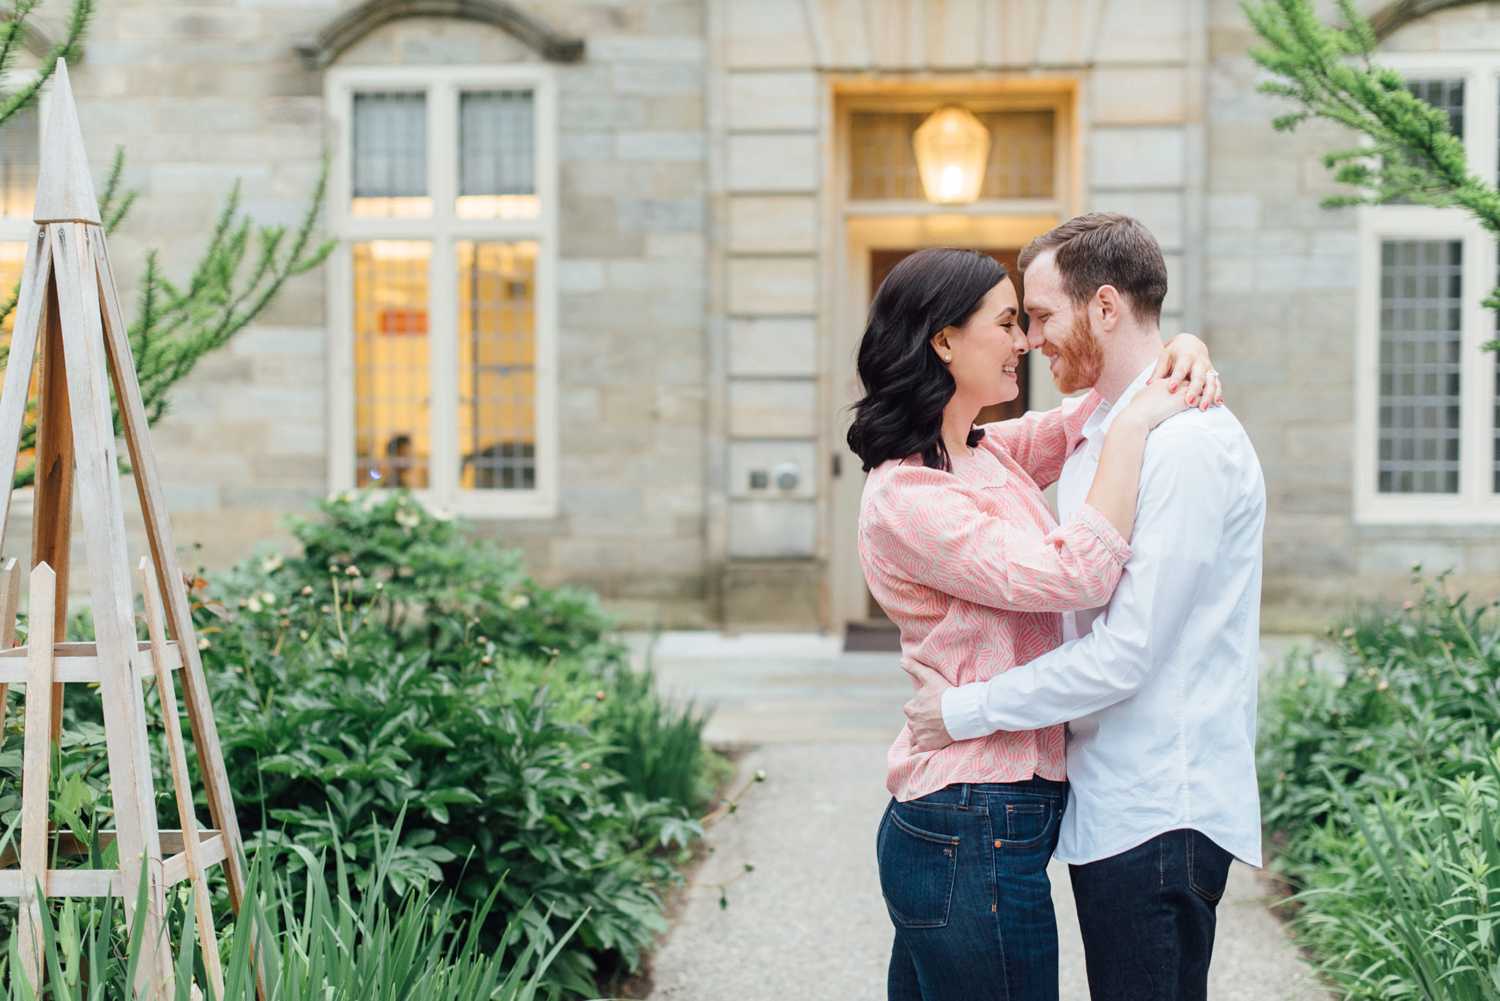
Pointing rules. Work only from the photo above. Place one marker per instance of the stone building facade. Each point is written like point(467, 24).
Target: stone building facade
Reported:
point(664, 288)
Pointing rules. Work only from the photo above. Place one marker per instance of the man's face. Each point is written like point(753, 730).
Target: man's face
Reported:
point(1060, 330)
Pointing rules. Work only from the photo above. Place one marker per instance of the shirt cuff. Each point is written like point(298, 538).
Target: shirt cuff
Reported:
point(1105, 531)
point(963, 712)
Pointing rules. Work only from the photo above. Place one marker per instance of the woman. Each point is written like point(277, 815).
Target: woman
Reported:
point(960, 549)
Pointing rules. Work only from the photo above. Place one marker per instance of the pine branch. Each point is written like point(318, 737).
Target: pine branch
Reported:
point(1411, 154)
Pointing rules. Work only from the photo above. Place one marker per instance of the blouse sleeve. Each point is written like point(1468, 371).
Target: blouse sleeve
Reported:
point(922, 527)
point(1041, 440)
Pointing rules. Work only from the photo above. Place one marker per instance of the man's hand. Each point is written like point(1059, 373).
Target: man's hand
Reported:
point(924, 713)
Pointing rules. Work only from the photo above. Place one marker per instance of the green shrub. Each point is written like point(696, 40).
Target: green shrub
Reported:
point(396, 665)
point(1380, 788)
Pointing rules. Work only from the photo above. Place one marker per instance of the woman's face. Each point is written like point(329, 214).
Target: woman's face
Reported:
point(984, 353)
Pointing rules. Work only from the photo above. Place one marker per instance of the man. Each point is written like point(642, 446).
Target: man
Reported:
point(1159, 687)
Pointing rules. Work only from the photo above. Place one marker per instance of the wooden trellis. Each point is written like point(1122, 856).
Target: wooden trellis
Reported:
point(68, 318)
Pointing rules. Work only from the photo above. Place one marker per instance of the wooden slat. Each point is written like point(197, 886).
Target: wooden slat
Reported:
point(52, 495)
point(66, 845)
point(182, 784)
point(68, 883)
point(80, 668)
point(36, 767)
point(10, 600)
point(168, 574)
point(98, 490)
point(169, 580)
point(175, 869)
point(23, 342)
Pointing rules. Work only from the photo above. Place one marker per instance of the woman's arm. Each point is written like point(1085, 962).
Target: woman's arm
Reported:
point(921, 527)
point(1040, 440)
point(1118, 478)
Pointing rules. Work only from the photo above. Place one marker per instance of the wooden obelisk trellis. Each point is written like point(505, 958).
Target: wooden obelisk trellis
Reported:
point(69, 317)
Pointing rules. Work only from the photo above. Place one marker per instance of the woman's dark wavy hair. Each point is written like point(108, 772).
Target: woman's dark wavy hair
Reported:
point(906, 385)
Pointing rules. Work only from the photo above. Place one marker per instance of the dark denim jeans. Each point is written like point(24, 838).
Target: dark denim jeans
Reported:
point(1148, 916)
point(964, 875)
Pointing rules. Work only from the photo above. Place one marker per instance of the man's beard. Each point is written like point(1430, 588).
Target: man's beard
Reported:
point(1080, 357)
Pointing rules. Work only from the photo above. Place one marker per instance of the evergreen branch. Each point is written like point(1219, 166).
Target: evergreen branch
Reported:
point(1411, 154)
point(13, 30)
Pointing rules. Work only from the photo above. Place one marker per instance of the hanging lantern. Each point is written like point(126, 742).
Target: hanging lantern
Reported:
point(952, 148)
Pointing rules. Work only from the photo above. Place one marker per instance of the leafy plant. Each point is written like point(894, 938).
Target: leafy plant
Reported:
point(1380, 788)
point(314, 944)
point(1407, 152)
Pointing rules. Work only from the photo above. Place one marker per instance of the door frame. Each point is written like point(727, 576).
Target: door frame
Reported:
point(863, 235)
point(850, 230)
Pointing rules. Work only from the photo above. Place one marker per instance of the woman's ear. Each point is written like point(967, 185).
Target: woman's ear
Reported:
point(942, 345)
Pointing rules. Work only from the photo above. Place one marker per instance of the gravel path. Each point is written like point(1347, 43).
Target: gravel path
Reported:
point(809, 923)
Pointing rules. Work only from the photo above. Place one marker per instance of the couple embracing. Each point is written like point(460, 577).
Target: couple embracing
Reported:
point(1086, 684)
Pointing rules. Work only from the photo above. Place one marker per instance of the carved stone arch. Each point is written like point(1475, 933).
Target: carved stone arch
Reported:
point(1397, 14)
point(346, 29)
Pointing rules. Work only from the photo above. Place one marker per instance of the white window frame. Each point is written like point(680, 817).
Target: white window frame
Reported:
point(443, 85)
point(1476, 503)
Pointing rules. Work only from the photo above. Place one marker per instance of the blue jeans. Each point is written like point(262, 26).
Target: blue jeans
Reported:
point(1148, 915)
point(964, 875)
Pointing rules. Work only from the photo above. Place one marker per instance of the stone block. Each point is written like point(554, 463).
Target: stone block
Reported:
point(773, 223)
point(646, 215)
point(773, 101)
point(1147, 157)
point(1142, 31)
point(749, 459)
point(953, 32)
point(773, 408)
point(783, 161)
point(641, 49)
point(773, 285)
point(776, 529)
point(580, 275)
point(1137, 95)
point(658, 79)
point(779, 595)
point(659, 146)
point(676, 114)
point(768, 34)
point(763, 346)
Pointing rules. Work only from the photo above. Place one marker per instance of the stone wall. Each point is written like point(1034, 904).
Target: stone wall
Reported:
point(1281, 301)
point(203, 95)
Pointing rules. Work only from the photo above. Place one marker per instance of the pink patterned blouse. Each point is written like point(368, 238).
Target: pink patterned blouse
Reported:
point(974, 569)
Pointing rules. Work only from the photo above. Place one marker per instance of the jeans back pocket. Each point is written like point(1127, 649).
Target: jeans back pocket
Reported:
point(917, 872)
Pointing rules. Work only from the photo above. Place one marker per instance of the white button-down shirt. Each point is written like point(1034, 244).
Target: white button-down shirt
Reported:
point(1158, 688)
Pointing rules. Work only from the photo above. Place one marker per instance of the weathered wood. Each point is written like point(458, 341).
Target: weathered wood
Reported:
point(168, 574)
point(98, 490)
point(83, 667)
point(36, 767)
point(175, 869)
point(66, 845)
point(181, 783)
point(10, 600)
point(68, 883)
point(35, 276)
point(52, 493)
point(64, 189)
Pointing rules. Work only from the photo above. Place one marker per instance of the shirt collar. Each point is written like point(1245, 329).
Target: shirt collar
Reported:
point(1104, 414)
